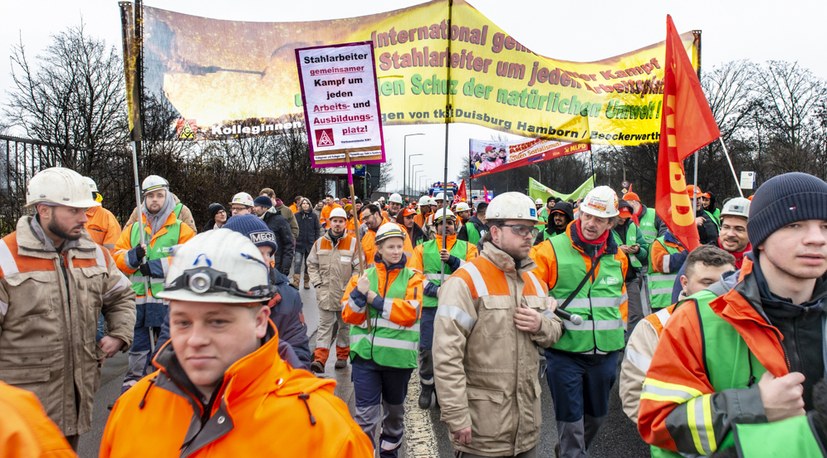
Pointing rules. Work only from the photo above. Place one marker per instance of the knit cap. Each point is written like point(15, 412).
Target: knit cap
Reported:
point(262, 201)
point(214, 208)
point(785, 199)
point(253, 227)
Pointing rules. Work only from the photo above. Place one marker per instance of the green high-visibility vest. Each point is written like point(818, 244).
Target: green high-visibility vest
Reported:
point(385, 342)
point(631, 239)
point(598, 301)
point(473, 233)
point(159, 249)
point(660, 284)
point(177, 209)
point(731, 365)
point(432, 265)
point(647, 226)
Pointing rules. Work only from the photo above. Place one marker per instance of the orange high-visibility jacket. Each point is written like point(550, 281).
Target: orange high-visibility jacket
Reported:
point(403, 311)
point(25, 430)
point(369, 244)
point(103, 227)
point(677, 378)
point(263, 408)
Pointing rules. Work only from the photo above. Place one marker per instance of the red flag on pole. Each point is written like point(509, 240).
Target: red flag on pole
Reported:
point(686, 125)
point(461, 193)
point(485, 194)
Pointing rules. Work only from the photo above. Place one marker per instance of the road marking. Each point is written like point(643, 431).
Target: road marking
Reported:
point(420, 441)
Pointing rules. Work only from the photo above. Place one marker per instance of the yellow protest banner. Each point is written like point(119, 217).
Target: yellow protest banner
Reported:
point(232, 78)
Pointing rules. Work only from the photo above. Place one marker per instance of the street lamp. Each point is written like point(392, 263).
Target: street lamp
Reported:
point(411, 178)
point(410, 166)
point(416, 176)
point(405, 158)
point(421, 184)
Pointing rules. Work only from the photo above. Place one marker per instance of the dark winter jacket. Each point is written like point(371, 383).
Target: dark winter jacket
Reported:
point(288, 316)
point(284, 238)
point(309, 229)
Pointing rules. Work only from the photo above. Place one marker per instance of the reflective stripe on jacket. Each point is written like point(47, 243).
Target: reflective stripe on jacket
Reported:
point(390, 337)
point(49, 308)
point(427, 261)
point(485, 368)
point(694, 394)
point(330, 268)
point(661, 278)
point(601, 300)
point(159, 248)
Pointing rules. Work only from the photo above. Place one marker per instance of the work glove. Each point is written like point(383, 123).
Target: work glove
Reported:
point(135, 257)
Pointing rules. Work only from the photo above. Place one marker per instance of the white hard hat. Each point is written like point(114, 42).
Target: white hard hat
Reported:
point(152, 183)
point(601, 202)
point(395, 198)
point(381, 199)
point(389, 230)
point(738, 206)
point(242, 198)
point(93, 187)
point(463, 207)
point(431, 201)
point(424, 200)
point(338, 212)
point(439, 196)
point(59, 186)
point(218, 266)
point(443, 213)
point(511, 205)
point(538, 201)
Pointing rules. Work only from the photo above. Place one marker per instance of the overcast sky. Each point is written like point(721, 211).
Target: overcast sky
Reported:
point(757, 30)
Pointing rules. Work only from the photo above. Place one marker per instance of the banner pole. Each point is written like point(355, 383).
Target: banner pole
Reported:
point(447, 125)
point(353, 210)
point(731, 168)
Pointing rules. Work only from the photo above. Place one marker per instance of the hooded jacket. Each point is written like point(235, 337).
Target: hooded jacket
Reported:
point(263, 407)
point(781, 336)
point(49, 306)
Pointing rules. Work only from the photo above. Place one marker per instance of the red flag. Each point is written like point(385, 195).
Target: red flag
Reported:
point(461, 193)
point(485, 194)
point(686, 125)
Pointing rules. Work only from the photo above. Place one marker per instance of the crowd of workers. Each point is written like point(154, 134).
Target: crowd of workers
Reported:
point(721, 349)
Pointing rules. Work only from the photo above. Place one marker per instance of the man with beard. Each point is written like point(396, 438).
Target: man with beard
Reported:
point(54, 281)
point(766, 326)
point(145, 260)
point(559, 217)
point(493, 313)
point(394, 205)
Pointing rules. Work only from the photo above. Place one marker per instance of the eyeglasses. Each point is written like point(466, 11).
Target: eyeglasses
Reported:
point(203, 280)
point(522, 230)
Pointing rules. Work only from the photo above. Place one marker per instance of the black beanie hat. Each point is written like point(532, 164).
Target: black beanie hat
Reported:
point(785, 199)
point(214, 208)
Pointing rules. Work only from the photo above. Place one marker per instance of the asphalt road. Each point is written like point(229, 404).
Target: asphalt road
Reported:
point(426, 436)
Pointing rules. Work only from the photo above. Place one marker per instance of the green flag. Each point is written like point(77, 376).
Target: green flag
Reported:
point(539, 190)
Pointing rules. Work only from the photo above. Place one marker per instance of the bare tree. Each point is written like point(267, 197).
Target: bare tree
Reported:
point(71, 95)
point(788, 98)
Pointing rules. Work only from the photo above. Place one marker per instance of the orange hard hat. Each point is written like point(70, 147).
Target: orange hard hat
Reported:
point(694, 190)
point(631, 196)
